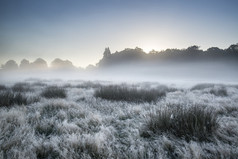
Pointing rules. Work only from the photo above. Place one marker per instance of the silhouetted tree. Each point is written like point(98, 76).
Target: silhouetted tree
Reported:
point(139, 49)
point(153, 52)
point(107, 52)
point(39, 64)
point(10, 65)
point(125, 56)
point(233, 48)
point(193, 48)
point(25, 64)
point(213, 49)
point(61, 64)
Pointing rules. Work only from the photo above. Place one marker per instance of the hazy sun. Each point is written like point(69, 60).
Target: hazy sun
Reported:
point(150, 44)
point(148, 48)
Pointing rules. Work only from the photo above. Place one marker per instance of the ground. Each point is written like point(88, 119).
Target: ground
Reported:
point(73, 122)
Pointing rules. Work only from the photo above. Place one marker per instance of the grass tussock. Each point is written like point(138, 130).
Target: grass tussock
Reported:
point(54, 92)
point(193, 123)
point(220, 91)
point(202, 86)
point(47, 151)
point(47, 129)
point(2, 87)
point(9, 98)
point(88, 84)
point(39, 84)
point(125, 93)
point(21, 87)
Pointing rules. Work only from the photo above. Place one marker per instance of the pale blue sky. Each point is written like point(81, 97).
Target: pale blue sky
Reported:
point(79, 30)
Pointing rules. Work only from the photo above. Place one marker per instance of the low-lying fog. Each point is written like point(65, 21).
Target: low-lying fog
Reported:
point(175, 73)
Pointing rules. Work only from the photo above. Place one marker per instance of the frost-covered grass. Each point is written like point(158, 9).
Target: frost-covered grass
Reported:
point(126, 93)
point(189, 123)
point(21, 87)
point(9, 98)
point(54, 92)
point(220, 91)
point(186, 123)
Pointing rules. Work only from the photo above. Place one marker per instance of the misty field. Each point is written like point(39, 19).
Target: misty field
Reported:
point(96, 119)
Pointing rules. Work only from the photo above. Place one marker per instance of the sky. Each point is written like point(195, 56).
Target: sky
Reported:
point(80, 30)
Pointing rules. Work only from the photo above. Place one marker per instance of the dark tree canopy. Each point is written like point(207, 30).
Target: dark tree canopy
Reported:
point(107, 52)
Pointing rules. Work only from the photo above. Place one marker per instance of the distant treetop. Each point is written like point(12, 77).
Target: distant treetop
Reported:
point(107, 52)
point(192, 53)
point(61, 64)
point(10, 65)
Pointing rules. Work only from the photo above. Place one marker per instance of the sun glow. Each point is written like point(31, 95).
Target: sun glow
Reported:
point(149, 44)
point(148, 48)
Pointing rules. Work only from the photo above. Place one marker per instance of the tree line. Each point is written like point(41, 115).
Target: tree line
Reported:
point(192, 53)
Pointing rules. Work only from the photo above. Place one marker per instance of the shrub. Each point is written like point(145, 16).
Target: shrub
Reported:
point(124, 93)
point(21, 87)
point(54, 92)
point(193, 123)
point(9, 98)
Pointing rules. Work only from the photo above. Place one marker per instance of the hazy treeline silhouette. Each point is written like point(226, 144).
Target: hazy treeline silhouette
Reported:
point(136, 56)
point(190, 64)
point(191, 54)
point(38, 64)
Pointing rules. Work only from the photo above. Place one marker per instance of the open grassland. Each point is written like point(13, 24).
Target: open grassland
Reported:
point(77, 119)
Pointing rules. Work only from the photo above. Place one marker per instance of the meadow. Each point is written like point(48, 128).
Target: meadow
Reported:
point(53, 119)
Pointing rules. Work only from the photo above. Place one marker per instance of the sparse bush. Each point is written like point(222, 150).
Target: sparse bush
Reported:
point(124, 93)
point(193, 123)
point(54, 92)
point(21, 87)
point(9, 98)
